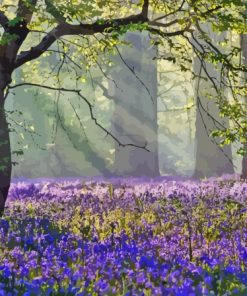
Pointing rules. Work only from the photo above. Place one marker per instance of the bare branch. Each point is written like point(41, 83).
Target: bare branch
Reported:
point(90, 107)
point(132, 70)
point(65, 55)
point(105, 90)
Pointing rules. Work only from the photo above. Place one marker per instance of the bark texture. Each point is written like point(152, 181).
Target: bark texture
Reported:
point(5, 156)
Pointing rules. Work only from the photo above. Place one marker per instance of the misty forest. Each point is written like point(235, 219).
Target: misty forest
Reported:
point(123, 147)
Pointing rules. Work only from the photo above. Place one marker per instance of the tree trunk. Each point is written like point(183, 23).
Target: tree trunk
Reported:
point(135, 115)
point(5, 151)
point(211, 160)
point(5, 155)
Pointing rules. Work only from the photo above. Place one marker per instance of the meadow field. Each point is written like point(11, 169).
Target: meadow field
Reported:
point(125, 237)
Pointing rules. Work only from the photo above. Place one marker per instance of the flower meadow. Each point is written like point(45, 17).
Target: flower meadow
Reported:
point(125, 237)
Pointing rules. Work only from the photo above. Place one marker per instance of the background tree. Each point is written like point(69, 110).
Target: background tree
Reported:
point(134, 120)
point(211, 159)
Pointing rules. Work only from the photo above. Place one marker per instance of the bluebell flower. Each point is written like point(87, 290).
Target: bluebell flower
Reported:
point(243, 278)
point(208, 280)
point(146, 262)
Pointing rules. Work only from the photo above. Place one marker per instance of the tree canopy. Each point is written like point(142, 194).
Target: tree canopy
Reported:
point(83, 33)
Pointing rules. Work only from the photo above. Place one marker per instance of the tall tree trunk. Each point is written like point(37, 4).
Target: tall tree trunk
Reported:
point(5, 154)
point(135, 116)
point(211, 160)
point(244, 51)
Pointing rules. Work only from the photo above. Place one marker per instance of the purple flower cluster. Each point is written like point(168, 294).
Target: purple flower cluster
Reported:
point(125, 237)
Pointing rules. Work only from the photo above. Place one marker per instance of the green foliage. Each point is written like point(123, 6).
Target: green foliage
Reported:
point(8, 38)
point(15, 21)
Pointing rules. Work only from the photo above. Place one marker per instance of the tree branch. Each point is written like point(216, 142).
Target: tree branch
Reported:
point(171, 13)
point(8, 52)
point(145, 8)
point(164, 25)
point(54, 12)
point(3, 20)
point(90, 106)
point(68, 29)
point(25, 10)
point(105, 90)
point(132, 70)
point(81, 29)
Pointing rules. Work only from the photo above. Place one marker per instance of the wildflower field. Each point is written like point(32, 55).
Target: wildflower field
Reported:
point(125, 237)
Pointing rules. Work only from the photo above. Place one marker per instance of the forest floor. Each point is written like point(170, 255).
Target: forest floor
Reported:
point(125, 237)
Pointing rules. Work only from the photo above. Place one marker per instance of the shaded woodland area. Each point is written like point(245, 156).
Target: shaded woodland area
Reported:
point(140, 98)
